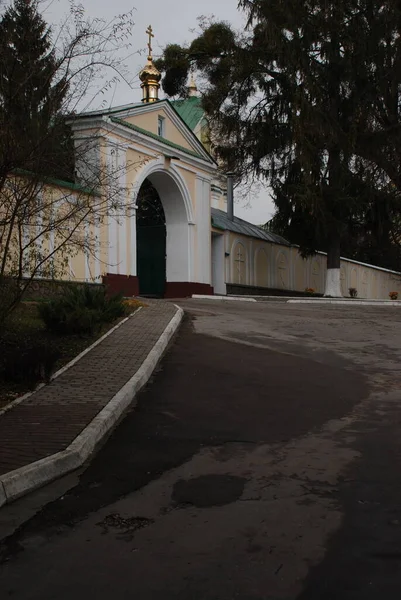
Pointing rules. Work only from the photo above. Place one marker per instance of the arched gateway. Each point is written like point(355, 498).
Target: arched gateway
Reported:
point(151, 242)
point(164, 224)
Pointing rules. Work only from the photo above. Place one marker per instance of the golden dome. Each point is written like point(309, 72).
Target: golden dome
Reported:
point(149, 72)
point(150, 76)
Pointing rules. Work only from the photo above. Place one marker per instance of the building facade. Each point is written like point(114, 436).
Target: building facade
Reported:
point(169, 233)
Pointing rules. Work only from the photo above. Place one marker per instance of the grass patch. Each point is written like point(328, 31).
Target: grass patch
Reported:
point(26, 333)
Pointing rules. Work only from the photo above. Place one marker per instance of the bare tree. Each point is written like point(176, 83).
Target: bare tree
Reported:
point(44, 222)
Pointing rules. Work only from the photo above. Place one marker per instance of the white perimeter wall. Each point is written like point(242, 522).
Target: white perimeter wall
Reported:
point(253, 262)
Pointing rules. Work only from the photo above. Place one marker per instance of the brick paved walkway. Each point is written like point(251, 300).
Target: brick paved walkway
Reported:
point(50, 419)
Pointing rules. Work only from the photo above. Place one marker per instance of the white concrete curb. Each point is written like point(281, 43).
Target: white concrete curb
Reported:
point(348, 302)
point(298, 300)
point(26, 479)
point(236, 298)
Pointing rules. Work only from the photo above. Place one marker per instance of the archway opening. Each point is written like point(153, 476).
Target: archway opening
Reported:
point(151, 242)
point(163, 187)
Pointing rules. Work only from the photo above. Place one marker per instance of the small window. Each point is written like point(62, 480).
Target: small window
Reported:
point(160, 126)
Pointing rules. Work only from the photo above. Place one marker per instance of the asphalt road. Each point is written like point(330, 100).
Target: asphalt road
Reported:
point(261, 463)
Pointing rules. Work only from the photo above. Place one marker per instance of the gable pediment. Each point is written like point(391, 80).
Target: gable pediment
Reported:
point(146, 119)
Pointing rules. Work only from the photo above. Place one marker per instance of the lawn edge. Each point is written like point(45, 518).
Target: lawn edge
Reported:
point(70, 364)
point(21, 481)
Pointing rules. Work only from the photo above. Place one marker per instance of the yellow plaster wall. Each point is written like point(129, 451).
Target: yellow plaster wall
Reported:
point(136, 162)
point(149, 121)
point(54, 198)
point(219, 201)
point(219, 198)
point(190, 180)
point(76, 268)
point(82, 267)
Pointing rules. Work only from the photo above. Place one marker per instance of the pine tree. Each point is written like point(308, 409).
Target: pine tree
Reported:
point(31, 95)
point(308, 99)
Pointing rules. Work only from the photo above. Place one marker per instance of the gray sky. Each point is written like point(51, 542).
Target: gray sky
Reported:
point(172, 22)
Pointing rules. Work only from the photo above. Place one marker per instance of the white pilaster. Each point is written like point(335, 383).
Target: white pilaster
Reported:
point(123, 221)
point(87, 255)
point(133, 248)
point(203, 217)
point(117, 221)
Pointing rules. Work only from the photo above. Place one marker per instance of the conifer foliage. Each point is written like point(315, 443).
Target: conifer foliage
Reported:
point(32, 93)
point(308, 98)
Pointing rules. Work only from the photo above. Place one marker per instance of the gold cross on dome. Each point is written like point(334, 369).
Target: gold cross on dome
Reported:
point(150, 33)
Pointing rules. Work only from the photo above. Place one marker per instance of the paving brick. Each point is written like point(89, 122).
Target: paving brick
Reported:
point(52, 417)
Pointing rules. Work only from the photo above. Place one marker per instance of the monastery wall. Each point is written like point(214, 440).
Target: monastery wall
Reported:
point(255, 263)
point(49, 243)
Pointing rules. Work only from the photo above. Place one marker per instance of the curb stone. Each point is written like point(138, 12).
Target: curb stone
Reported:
point(297, 300)
point(17, 483)
point(348, 302)
point(223, 298)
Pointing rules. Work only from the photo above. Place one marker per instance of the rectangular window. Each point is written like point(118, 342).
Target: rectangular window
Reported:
point(160, 126)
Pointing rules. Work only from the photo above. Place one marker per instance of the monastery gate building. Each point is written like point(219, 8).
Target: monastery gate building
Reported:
point(174, 237)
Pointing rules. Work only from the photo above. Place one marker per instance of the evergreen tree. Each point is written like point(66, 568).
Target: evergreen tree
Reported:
point(371, 234)
point(31, 95)
point(308, 99)
point(43, 223)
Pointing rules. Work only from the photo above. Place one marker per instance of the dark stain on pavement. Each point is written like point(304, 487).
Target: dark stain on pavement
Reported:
point(124, 527)
point(208, 490)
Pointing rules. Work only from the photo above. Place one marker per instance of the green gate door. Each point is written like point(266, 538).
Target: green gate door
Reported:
point(151, 262)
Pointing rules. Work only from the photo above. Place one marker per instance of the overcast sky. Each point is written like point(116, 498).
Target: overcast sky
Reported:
point(173, 21)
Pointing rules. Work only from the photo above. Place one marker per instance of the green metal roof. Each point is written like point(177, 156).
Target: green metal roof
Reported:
point(107, 111)
point(190, 110)
point(220, 220)
point(59, 182)
point(157, 137)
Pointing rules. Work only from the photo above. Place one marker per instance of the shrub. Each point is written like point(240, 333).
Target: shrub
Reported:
point(82, 310)
point(109, 308)
point(29, 362)
point(393, 295)
point(310, 291)
point(353, 292)
point(9, 293)
point(64, 319)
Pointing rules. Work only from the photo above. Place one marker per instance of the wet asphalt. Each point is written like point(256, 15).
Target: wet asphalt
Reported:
point(261, 463)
